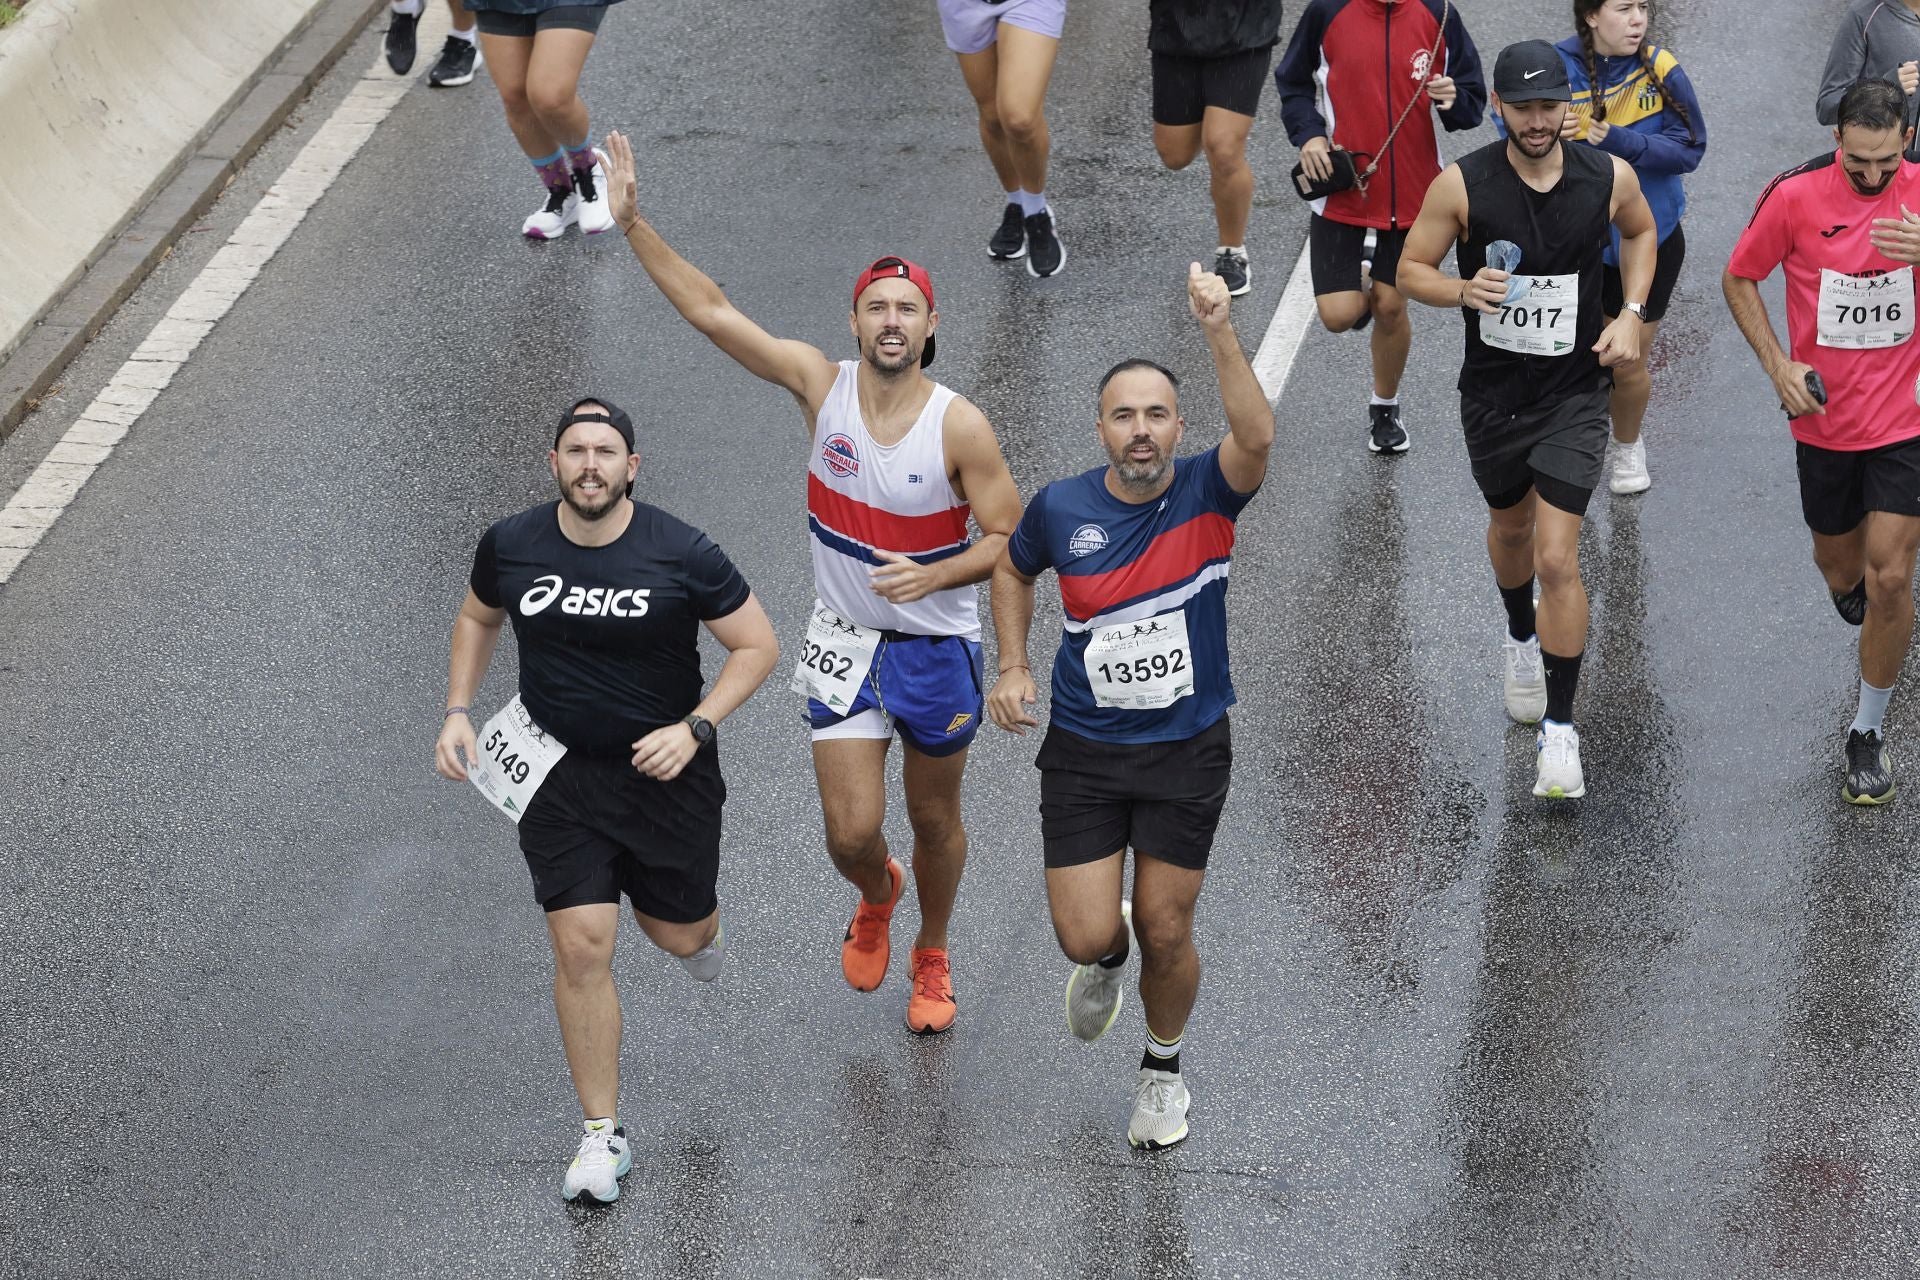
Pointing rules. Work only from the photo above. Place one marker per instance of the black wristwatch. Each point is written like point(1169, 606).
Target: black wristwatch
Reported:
point(702, 730)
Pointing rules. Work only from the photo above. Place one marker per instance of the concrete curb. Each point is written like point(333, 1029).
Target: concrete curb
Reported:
point(202, 173)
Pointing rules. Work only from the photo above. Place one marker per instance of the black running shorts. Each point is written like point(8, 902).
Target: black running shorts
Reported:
point(1183, 88)
point(1557, 446)
point(598, 828)
point(1338, 249)
point(1838, 487)
point(524, 26)
point(1161, 799)
point(1666, 273)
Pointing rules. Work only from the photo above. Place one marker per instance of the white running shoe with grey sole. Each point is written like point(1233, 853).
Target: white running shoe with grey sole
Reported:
point(561, 211)
point(602, 1160)
point(596, 211)
point(1525, 683)
point(1558, 775)
point(1095, 994)
point(1630, 468)
point(1159, 1110)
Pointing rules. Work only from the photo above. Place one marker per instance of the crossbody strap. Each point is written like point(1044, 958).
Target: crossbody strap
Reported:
point(1433, 61)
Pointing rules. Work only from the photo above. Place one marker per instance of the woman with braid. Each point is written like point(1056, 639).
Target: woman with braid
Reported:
point(1631, 99)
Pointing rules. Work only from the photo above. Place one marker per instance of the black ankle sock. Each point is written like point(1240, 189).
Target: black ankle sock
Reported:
point(1563, 677)
point(1519, 602)
point(1113, 961)
point(1852, 604)
point(1161, 1064)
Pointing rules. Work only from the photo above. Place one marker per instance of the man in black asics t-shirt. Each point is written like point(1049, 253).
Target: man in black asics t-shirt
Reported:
point(607, 597)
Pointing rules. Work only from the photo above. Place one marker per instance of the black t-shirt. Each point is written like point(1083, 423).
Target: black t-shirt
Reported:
point(1212, 28)
point(609, 636)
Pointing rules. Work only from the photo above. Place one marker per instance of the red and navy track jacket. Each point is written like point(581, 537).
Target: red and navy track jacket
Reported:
point(1360, 62)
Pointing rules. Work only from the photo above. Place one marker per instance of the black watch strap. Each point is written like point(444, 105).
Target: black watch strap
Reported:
point(702, 729)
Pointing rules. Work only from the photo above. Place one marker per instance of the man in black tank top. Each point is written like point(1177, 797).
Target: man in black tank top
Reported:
point(1535, 382)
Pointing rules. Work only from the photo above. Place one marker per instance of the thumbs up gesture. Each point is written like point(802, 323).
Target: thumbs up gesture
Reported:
point(1207, 297)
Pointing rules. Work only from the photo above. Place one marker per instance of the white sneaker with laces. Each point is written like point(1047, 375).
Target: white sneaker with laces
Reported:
point(1094, 994)
point(561, 211)
point(1159, 1110)
point(602, 1160)
point(1558, 775)
point(1525, 684)
point(1630, 468)
point(596, 211)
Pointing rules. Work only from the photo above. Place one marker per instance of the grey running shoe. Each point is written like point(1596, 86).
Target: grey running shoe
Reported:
point(1525, 683)
point(602, 1160)
point(1045, 254)
point(1010, 241)
point(1159, 1110)
point(1231, 265)
point(1095, 994)
point(1869, 770)
point(704, 964)
point(1385, 434)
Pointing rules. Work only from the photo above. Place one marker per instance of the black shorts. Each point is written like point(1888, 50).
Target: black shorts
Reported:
point(523, 26)
point(1559, 447)
point(598, 828)
point(1838, 487)
point(1162, 799)
point(1666, 273)
point(1338, 249)
point(1183, 88)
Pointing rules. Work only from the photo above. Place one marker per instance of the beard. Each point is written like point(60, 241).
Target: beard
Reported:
point(1140, 475)
point(1544, 150)
point(585, 509)
point(1865, 190)
point(892, 365)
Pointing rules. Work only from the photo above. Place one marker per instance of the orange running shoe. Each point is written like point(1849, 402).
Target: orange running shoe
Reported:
point(866, 950)
point(930, 1010)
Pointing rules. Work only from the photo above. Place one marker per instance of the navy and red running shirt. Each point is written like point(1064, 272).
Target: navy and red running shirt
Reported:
point(1127, 562)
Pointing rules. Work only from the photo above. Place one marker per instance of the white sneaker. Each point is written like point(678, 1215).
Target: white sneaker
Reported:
point(704, 964)
point(1095, 994)
point(1630, 468)
point(561, 211)
point(1559, 776)
point(1526, 679)
point(1159, 1110)
point(603, 1159)
point(596, 212)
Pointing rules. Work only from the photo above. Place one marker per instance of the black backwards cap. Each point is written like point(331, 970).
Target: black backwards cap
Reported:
point(614, 416)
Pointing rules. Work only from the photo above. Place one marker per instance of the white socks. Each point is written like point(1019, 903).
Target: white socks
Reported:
point(411, 8)
point(1873, 708)
point(1030, 202)
point(471, 35)
point(1383, 400)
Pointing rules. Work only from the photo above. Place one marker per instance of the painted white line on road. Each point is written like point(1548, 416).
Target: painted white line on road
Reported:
point(1274, 361)
point(54, 484)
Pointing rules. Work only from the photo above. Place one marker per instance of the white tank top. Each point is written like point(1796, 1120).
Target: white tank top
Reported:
point(864, 497)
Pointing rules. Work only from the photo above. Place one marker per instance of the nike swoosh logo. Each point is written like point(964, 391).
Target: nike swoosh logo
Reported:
point(1836, 231)
point(1531, 74)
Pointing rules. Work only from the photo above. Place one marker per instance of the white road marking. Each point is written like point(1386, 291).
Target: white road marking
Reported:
point(103, 424)
point(1274, 361)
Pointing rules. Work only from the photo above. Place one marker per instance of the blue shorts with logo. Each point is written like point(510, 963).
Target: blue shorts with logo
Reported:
point(927, 687)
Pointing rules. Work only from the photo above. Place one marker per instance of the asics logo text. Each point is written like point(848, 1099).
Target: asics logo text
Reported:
point(585, 602)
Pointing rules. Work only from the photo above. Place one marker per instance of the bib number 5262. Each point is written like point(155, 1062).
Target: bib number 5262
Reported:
point(834, 659)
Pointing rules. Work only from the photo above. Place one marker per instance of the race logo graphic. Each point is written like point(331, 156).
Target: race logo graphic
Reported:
point(840, 457)
point(585, 602)
point(1543, 284)
point(960, 722)
point(1422, 63)
point(1087, 539)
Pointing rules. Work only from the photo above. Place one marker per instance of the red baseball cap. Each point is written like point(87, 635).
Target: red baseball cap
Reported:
point(894, 268)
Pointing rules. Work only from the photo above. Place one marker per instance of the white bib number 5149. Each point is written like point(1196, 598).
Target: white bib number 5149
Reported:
point(1545, 321)
point(834, 659)
point(1140, 665)
point(515, 757)
point(1866, 312)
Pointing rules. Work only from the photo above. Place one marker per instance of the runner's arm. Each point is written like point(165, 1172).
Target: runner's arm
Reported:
point(1676, 148)
point(1442, 220)
point(752, 651)
point(475, 633)
point(1846, 62)
point(1297, 79)
point(1243, 454)
point(981, 476)
point(1620, 342)
point(1789, 378)
point(1014, 691)
point(1463, 67)
point(802, 369)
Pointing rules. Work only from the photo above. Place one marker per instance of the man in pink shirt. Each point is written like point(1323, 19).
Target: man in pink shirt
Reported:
point(1843, 227)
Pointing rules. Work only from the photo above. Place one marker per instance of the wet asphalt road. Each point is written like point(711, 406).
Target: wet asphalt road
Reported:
point(276, 997)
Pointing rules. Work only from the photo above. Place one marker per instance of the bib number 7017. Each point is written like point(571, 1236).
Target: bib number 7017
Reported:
point(1543, 322)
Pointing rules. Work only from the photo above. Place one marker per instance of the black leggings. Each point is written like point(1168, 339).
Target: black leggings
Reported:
point(572, 17)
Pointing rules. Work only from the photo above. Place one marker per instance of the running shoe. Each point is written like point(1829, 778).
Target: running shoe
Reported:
point(1525, 685)
point(459, 59)
point(1869, 770)
point(596, 211)
point(1385, 433)
point(1559, 776)
point(1095, 993)
point(704, 964)
point(1159, 1110)
point(1045, 254)
point(865, 951)
point(1231, 265)
point(602, 1160)
point(403, 31)
point(930, 1010)
point(1630, 468)
point(1010, 241)
point(1852, 604)
point(562, 210)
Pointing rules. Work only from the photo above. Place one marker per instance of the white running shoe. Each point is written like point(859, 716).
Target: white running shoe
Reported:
point(561, 211)
point(596, 211)
point(1630, 468)
point(1159, 1110)
point(704, 964)
point(1526, 679)
point(1559, 776)
point(1095, 994)
point(603, 1159)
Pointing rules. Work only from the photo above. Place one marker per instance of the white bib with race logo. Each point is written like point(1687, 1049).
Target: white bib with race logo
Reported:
point(1545, 321)
point(834, 659)
point(515, 757)
point(1866, 312)
point(1140, 665)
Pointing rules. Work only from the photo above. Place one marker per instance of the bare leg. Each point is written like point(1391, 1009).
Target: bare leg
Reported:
point(1632, 388)
point(1085, 901)
point(1563, 597)
point(1842, 558)
point(586, 1002)
point(507, 59)
point(1392, 339)
point(981, 72)
point(1510, 543)
point(1888, 630)
point(939, 839)
point(852, 777)
point(1163, 901)
point(462, 20)
point(1341, 311)
point(553, 84)
point(1224, 134)
point(1025, 67)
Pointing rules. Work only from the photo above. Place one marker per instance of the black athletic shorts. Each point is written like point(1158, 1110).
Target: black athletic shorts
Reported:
point(1162, 799)
point(523, 26)
point(1338, 249)
point(598, 828)
point(1183, 88)
point(1838, 487)
point(1666, 273)
point(1558, 447)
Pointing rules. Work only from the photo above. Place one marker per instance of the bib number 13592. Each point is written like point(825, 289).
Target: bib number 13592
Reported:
point(1140, 665)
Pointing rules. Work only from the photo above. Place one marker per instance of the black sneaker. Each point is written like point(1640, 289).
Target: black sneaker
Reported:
point(1385, 434)
point(1010, 241)
point(1869, 771)
point(401, 47)
point(1231, 265)
point(1852, 604)
point(1045, 254)
point(458, 58)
